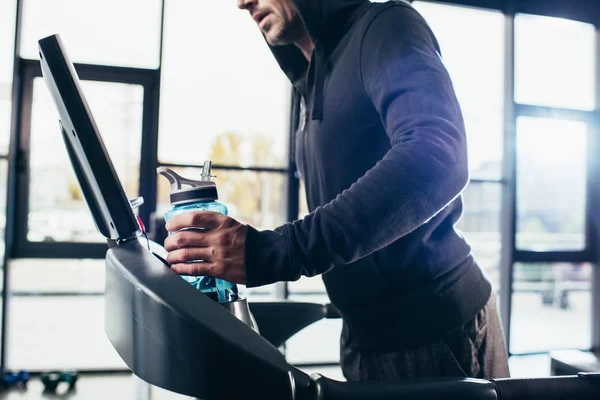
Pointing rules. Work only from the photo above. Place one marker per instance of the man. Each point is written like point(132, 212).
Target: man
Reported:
point(381, 146)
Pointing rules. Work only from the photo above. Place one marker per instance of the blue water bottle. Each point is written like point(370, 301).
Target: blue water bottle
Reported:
point(199, 195)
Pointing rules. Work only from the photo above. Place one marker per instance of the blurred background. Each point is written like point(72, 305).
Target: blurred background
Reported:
point(175, 82)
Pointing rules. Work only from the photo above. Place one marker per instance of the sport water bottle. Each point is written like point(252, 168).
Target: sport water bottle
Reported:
point(198, 195)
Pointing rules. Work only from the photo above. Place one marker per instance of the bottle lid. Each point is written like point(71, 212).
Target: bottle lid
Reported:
point(196, 190)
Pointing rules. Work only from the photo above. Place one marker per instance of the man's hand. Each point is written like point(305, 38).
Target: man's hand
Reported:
point(218, 240)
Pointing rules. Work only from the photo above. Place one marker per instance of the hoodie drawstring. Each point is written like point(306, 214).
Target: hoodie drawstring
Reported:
point(317, 108)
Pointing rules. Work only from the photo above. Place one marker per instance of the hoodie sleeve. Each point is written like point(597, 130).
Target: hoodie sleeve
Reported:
point(425, 169)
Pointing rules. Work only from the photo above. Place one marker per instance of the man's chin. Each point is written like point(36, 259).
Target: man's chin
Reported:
point(275, 36)
point(276, 40)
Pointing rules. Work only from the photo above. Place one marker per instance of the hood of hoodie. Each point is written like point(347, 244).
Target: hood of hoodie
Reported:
point(326, 21)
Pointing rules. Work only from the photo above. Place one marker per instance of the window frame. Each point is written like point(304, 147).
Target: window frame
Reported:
point(586, 254)
point(30, 70)
point(510, 253)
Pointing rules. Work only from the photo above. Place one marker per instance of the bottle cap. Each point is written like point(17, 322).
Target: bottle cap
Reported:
point(196, 190)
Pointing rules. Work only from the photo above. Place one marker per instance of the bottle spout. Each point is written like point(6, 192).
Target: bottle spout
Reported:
point(206, 171)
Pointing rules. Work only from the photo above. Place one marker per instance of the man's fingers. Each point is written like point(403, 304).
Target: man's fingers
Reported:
point(186, 238)
point(199, 219)
point(190, 254)
point(195, 269)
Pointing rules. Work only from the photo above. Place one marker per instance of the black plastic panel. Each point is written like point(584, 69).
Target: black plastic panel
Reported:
point(279, 321)
point(100, 184)
point(87, 191)
point(173, 336)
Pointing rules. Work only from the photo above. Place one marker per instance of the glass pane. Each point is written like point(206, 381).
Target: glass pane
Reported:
point(57, 210)
point(59, 332)
point(554, 62)
point(48, 326)
point(551, 184)
point(551, 307)
point(3, 189)
point(318, 343)
point(3, 193)
point(307, 286)
point(251, 197)
point(112, 32)
point(8, 10)
point(56, 276)
point(302, 205)
point(7, 45)
point(226, 100)
point(480, 224)
point(261, 293)
point(478, 77)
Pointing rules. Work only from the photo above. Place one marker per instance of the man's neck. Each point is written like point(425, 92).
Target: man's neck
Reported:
point(305, 44)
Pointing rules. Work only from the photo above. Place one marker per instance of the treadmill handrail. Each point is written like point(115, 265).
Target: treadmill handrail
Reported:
point(409, 389)
point(582, 387)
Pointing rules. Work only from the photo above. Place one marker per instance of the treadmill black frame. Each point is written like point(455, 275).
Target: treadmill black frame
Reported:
point(101, 187)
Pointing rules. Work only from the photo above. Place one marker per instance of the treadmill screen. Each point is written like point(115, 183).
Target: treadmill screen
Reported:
point(97, 178)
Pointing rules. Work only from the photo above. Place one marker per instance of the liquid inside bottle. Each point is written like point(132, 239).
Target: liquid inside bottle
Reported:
point(201, 196)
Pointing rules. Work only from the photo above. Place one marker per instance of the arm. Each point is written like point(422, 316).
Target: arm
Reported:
point(425, 169)
point(408, 85)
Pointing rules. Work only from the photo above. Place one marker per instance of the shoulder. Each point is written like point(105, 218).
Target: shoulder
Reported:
point(396, 10)
point(397, 20)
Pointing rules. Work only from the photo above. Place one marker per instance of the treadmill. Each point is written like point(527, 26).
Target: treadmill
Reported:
point(173, 336)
